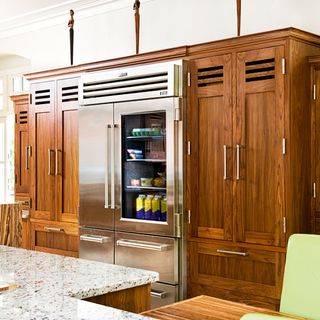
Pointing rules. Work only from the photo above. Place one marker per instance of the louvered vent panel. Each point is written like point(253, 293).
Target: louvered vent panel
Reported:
point(69, 94)
point(42, 97)
point(210, 76)
point(126, 86)
point(260, 70)
point(23, 117)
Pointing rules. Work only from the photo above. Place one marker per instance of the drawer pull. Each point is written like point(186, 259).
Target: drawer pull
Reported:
point(50, 229)
point(142, 245)
point(243, 254)
point(159, 294)
point(96, 239)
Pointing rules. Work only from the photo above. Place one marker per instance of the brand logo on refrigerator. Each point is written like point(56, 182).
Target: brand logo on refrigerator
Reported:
point(123, 74)
point(163, 93)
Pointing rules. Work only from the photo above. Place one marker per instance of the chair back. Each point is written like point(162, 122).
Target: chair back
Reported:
point(301, 284)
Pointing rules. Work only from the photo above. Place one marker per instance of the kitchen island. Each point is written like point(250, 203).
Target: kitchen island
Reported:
point(52, 287)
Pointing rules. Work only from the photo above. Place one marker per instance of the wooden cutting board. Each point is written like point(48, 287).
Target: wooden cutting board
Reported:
point(6, 287)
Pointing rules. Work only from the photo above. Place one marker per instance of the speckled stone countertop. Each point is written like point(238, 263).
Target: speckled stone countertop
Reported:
point(50, 286)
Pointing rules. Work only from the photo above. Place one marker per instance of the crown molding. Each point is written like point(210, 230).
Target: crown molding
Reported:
point(59, 14)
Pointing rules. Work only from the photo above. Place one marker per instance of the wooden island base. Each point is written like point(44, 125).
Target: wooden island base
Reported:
point(135, 299)
point(209, 308)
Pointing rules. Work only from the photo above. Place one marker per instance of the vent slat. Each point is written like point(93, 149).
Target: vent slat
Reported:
point(263, 65)
point(213, 80)
point(210, 76)
point(114, 93)
point(260, 74)
point(124, 90)
point(258, 70)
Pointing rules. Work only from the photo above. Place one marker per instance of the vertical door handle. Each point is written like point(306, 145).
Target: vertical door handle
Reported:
point(57, 161)
point(113, 182)
point(225, 170)
point(238, 161)
point(106, 174)
point(49, 162)
point(27, 157)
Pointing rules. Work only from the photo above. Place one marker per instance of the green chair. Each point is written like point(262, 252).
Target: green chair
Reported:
point(301, 284)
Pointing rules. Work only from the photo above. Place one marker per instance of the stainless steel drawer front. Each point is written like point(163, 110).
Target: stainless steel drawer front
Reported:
point(153, 253)
point(96, 245)
point(163, 294)
point(96, 239)
point(142, 245)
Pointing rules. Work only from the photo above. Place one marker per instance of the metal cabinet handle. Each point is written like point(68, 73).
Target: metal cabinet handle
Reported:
point(27, 157)
point(243, 254)
point(225, 149)
point(57, 162)
point(51, 229)
point(159, 294)
point(238, 161)
point(49, 162)
point(106, 173)
point(142, 245)
point(95, 238)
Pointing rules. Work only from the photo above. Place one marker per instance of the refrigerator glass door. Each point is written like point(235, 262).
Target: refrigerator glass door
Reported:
point(145, 166)
point(95, 145)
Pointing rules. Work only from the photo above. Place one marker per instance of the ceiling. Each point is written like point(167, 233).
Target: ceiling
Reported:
point(13, 8)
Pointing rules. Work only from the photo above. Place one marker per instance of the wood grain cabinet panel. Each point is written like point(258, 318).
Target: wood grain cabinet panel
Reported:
point(55, 177)
point(67, 151)
point(242, 270)
point(211, 139)
point(22, 149)
point(42, 143)
point(259, 134)
point(247, 198)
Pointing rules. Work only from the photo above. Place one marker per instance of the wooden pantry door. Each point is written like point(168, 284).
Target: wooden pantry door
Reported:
point(259, 133)
point(42, 144)
point(210, 163)
point(67, 151)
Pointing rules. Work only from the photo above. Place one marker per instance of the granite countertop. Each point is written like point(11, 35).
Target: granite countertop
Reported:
point(50, 286)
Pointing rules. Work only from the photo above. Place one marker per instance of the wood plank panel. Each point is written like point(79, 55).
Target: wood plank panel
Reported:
point(204, 307)
point(259, 133)
point(211, 140)
point(67, 151)
point(136, 299)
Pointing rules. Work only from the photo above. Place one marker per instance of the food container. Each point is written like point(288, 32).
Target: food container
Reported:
point(146, 182)
point(148, 207)
point(135, 182)
point(140, 206)
point(156, 131)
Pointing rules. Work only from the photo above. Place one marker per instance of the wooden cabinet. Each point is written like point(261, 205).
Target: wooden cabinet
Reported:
point(54, 165)
point(315, 143)
point(22, 149)
point(248, 185)
point(22, 154)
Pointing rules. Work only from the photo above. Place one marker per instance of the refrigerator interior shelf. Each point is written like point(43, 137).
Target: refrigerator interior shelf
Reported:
point(146, 160)
point(134, 188)
point(145, 138)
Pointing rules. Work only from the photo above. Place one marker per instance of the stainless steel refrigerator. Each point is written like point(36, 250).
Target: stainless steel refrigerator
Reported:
point(131, 172)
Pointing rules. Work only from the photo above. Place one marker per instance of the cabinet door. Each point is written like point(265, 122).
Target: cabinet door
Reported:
point(42, 142)
point(316, 151)
point(22, 149)
point(67, 151)
point(210, 164)
point(259, 134)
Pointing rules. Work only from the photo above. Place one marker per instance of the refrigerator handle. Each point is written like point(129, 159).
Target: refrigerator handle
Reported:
point(112, 156)
point(106, 178)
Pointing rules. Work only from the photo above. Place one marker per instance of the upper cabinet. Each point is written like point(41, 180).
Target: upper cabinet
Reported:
point(22, 147)
point(54, 164)
point(237, 138)
point(248, 164)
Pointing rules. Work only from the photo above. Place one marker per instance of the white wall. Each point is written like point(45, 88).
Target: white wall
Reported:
point(164, 24)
